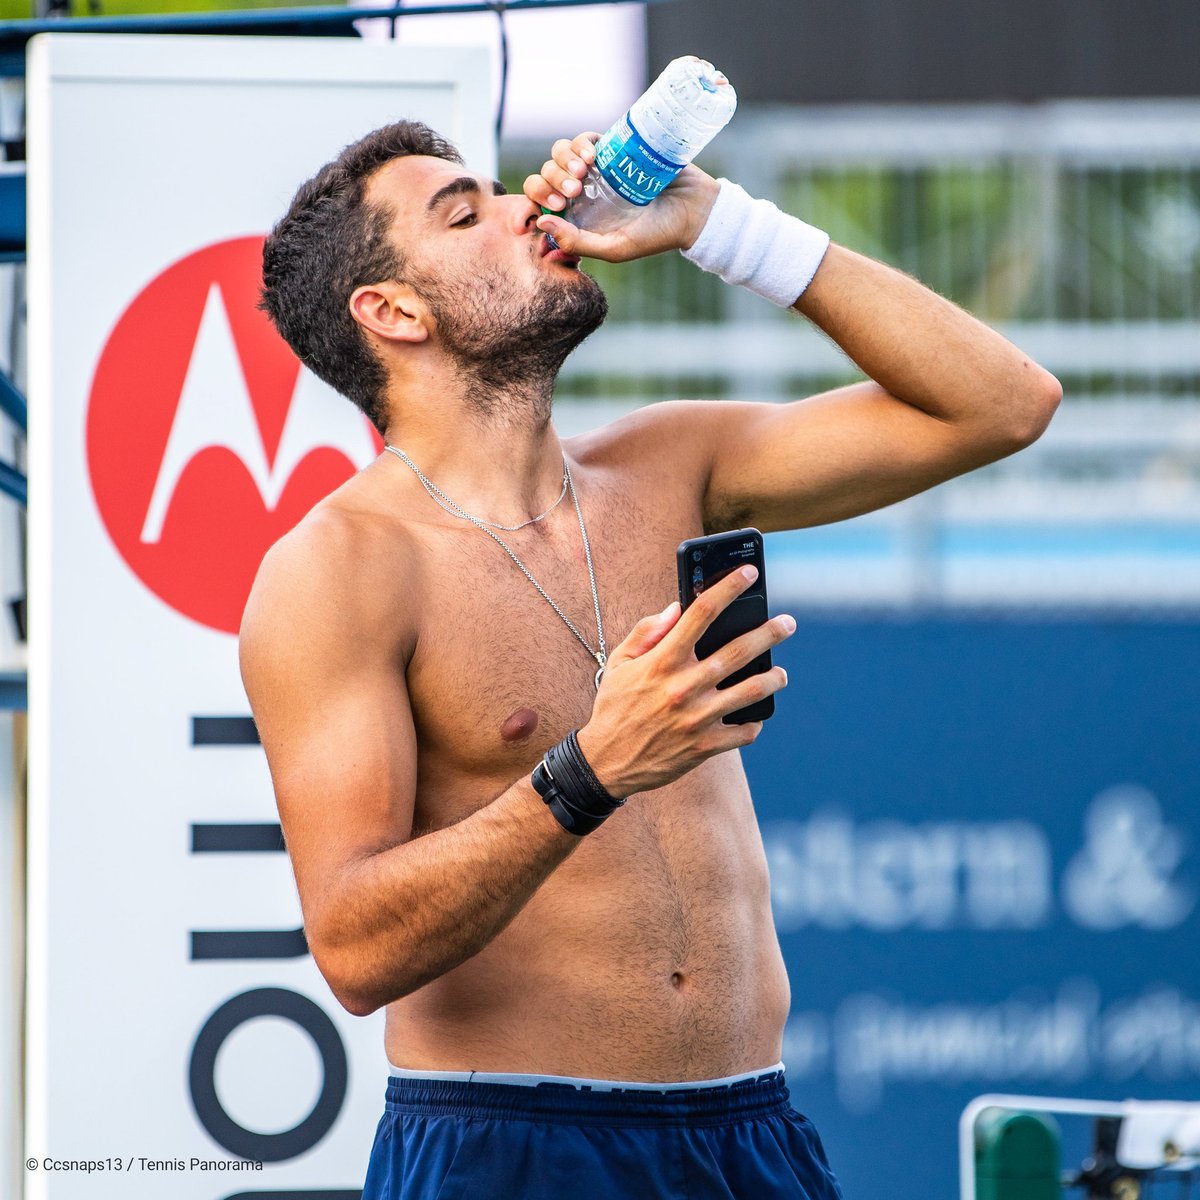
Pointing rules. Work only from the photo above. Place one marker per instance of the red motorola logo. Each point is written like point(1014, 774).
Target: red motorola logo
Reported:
point(206, 441)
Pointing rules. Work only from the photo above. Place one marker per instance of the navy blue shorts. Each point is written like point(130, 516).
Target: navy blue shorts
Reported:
point(441, 1140)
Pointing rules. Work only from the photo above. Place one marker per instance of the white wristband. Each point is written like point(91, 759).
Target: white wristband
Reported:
point(751, 243)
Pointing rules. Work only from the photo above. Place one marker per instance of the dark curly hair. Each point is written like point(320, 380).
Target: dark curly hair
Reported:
point(329, 242)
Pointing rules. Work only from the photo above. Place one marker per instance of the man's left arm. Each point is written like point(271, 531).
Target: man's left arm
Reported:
point(948, 395)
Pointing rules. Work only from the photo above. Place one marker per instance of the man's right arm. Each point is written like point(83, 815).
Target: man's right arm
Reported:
point(386, 913)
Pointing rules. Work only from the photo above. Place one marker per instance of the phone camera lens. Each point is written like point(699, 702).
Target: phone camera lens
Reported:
point(697, 555)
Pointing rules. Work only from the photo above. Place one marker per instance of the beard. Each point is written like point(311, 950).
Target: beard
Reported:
point(509, 347)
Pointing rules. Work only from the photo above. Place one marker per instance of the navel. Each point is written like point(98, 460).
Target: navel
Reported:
point(520, 725)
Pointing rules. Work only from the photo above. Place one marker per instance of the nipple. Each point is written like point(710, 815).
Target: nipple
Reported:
point(520, 725)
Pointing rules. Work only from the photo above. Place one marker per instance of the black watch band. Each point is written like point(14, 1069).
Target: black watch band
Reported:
point(566, 782)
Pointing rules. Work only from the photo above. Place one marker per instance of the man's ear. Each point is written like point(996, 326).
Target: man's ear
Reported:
point(391, 310)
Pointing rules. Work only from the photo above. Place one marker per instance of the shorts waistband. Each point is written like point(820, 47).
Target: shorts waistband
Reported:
point(566, 1104)
point(576, 1081)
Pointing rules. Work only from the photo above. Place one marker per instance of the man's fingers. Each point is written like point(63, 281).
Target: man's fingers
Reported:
point(574, 240)
point(565, 169)
point(542, 194)
point(585, 145)
point(576, 155)
point(705, 609)
point(646, 634)
point(749, 691)
point(734, 737)
point(737, 653)
point(552, 188)
point(560, 180)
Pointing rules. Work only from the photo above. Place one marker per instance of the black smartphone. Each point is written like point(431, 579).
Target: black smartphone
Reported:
point(701, 562)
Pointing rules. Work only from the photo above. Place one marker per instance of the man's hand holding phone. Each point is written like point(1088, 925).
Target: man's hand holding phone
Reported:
point(659, 711)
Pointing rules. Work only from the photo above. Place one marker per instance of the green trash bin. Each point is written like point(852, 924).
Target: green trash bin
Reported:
point(1018, 1156)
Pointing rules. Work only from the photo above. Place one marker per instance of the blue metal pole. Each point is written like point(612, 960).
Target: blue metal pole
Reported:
point(315, 20)
point(13, 690)
point(14, 484)
point(12, 403)
point(290, 22)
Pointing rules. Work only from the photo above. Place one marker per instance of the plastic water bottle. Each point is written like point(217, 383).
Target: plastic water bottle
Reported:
point(677, 116)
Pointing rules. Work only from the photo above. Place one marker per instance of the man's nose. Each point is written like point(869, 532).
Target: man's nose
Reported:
point(523, 213)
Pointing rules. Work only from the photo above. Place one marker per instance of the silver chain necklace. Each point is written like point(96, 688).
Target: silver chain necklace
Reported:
point(442, 499)
point(601, 655)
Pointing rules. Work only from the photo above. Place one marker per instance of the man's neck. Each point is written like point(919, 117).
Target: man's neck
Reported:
point(496, 455)
point(501, 400)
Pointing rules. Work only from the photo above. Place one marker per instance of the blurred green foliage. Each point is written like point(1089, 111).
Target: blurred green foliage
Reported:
point(1024, 240)
point(1013, 240)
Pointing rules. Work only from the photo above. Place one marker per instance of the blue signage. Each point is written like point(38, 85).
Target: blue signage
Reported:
point(984, 842)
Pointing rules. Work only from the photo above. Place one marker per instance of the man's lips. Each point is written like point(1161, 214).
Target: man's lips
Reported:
point(556, 253)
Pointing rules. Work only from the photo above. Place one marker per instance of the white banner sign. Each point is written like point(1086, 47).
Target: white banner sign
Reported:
point(178, 1031)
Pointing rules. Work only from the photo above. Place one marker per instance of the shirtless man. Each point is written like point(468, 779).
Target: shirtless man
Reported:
point(407, 678)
